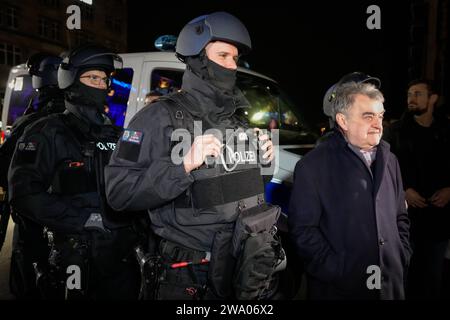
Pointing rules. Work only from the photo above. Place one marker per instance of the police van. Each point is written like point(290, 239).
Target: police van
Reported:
point(162, 72)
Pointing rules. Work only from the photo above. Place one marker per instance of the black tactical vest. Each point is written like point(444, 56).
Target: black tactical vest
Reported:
point(82, 175)
point(221, 189)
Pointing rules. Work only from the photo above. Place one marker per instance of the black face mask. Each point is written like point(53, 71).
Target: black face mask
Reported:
point(87, 102)
point(87, 96)
point(222, 78)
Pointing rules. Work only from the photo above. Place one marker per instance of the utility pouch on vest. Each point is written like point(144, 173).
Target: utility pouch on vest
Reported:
point(255, 220)
point(221, 266)
point(72, 177)
point(258, 251)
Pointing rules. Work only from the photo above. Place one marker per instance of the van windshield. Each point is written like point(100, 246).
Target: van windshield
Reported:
point(270, 108)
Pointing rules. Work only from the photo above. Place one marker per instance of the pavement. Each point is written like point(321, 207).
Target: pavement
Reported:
point(5, 259)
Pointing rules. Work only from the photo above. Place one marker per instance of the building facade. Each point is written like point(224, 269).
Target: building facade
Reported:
point(30, 26)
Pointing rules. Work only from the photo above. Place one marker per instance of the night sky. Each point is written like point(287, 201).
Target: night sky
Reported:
point(305, 46)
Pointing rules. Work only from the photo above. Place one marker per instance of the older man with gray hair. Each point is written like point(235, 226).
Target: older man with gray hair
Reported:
point(347, 216)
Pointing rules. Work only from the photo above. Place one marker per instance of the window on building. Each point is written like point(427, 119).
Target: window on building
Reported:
point(9, 17)
point(49, 29)
point(10, 54)
point(117, 26)
point(54, 30)
point(42, 27)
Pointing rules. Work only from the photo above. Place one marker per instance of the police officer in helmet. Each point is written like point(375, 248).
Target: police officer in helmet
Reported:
point(56, 181)
point(28, 244)
point(193, 206)
point(42, 67)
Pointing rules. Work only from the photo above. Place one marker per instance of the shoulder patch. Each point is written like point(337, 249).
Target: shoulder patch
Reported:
point(130, 145)
point(26, 152)
point(27, 146)
point(132, 136)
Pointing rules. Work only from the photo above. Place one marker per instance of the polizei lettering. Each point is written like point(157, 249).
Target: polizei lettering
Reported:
point(105, 146)
point(244, 156)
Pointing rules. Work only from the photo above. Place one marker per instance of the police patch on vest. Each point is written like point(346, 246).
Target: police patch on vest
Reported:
point(129, 151)
point(132, 136)
point(27, 152)
point(130, 145)
point(241, 150)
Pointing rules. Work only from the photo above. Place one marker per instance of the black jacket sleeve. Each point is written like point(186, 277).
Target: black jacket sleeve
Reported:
point(141, 174)
point(402, 216)
point(305, 210)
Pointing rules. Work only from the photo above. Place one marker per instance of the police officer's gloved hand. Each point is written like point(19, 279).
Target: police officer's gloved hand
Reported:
point(95, 222)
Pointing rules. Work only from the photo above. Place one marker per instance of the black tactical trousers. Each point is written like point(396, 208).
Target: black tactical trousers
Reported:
point(108, 267)
point(29, 246)
point(115, 272)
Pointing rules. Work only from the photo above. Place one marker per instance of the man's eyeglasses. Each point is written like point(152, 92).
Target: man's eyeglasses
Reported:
point(96, 80)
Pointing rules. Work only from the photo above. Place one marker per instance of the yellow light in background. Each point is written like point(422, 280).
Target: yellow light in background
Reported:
point(257, 116)
point(164, 83)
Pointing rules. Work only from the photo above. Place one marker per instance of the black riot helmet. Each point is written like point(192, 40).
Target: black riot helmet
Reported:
point(357, 77)
point(86, 57)
point(43, 69)
point(218, 26)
